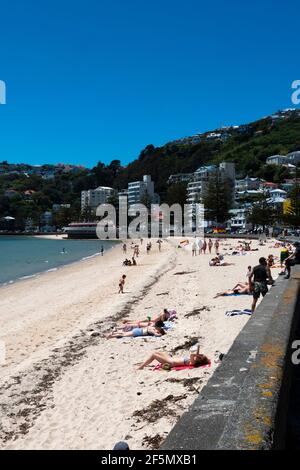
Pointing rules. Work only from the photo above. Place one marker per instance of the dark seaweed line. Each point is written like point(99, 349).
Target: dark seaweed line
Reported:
point(47, 371)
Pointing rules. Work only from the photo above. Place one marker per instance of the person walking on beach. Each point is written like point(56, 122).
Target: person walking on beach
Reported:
point(194, 248)
point(217, 244)
point(210, 244)
point(204, 246)
point(260, 278)
point(121, 284)
point(200, 246)
point(124, 248)
point(159, 244)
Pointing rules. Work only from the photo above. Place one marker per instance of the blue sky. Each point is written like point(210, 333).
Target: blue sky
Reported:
point(96, 80)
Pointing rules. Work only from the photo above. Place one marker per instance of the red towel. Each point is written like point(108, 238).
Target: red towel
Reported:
point(159, 366)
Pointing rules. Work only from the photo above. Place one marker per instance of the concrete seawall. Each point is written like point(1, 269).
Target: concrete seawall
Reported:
point(246, 403)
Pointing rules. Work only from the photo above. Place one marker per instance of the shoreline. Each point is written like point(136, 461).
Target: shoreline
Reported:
point(82, 390)
point(55, 268)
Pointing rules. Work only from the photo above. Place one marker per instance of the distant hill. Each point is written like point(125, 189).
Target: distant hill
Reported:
point(247, 145)
point(27, 191)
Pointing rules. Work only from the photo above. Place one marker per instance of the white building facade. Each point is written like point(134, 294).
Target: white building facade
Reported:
point(137, 190)
point(92, 198)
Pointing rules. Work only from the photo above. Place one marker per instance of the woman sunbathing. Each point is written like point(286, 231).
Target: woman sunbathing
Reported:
point(148, 331)
point(164, 316)
point(217, 262)
point(193, 359)
point(141, 324)
point(239, 289)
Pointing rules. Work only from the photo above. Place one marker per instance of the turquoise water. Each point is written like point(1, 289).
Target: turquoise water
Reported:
point(21, 257)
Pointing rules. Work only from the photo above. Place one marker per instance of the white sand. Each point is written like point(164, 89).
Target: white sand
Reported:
point(61, 388)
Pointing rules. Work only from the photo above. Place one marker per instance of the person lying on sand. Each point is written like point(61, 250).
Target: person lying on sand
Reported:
point(148, 331)
point(193, 359)
point(164, 316)
point(239, 289)
point(141, 324)
point(217, 262)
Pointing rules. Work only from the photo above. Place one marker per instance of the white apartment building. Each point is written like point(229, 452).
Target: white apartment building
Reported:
point(196, 187)
point(238, 219)
point(94, 197)
point(138, 189)
point(294, 157)
point(277, 160)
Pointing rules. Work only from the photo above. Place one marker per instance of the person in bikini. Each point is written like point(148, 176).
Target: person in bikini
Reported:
point(239, 289)
point(164, 316)
point(193, 359)
point(148, 331)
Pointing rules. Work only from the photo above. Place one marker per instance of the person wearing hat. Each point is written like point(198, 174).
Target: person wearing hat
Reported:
point(258, 281)
point(292, 260)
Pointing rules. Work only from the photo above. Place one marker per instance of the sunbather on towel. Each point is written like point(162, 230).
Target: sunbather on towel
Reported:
point(141, 324)
point(239, 289)
point(194, 359)
point(217, 262)
point(149, 331)
point(164, 316)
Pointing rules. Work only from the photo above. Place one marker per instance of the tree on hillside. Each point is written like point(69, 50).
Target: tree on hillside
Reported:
point(176, 194)
point(218, 199)
point(261, 214)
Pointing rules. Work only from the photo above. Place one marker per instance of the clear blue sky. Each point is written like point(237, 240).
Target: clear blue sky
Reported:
point(100, 79)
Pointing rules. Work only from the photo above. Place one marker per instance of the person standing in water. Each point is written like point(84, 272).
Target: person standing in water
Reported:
point(102, 250)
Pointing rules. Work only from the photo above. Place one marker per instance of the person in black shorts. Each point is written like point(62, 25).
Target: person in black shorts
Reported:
point(259, 285)
point(293, 259)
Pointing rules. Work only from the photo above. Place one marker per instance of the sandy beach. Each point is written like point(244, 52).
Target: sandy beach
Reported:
point(65, 386)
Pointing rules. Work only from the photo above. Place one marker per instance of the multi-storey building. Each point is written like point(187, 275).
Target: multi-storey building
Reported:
point(92, 198)
point(137, 190)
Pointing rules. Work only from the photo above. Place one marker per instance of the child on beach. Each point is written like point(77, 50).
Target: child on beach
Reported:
point(121, 284)
point(194, 359)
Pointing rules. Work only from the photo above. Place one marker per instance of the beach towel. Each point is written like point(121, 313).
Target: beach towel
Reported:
point(233, 313)
point(235, 295)
point(159, 367)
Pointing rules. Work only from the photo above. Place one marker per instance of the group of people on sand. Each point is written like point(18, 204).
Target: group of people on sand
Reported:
point(128, 262)
point(260, 277)
point(202, 245)
point(256, 284)
point(156, 327)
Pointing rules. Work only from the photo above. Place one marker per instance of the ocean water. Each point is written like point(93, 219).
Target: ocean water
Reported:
point(23, 257)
